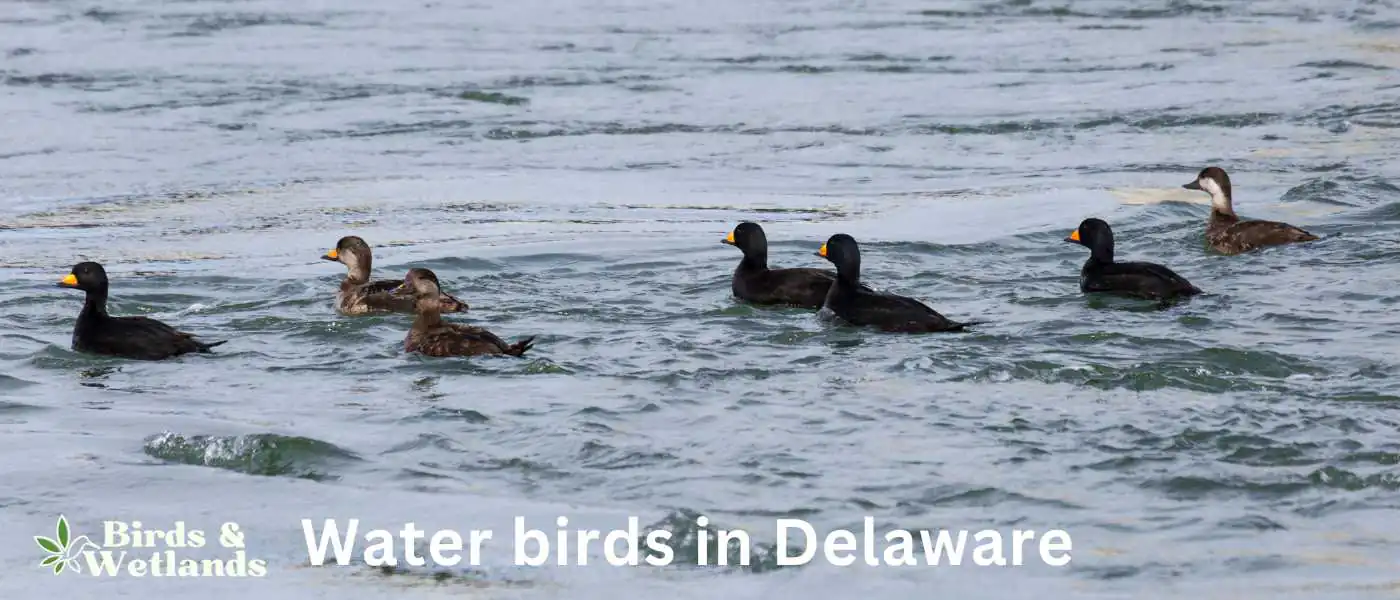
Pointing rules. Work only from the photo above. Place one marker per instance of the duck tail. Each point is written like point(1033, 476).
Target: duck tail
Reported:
point(206, 347)
point(964, 326)
point(519, 348)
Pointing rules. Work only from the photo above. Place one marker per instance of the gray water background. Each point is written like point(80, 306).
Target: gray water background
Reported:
point(568, 168)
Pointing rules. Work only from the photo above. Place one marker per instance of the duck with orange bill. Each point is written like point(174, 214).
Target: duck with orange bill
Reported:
point(141, 338)
point(856, 305)
point(755, 283)
point(359, 295)
point(1132, 279)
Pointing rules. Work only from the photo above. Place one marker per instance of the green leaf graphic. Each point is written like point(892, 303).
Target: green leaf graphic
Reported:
point(48, 562)
point(48, 544)
point(63, 531)
point(58, 568)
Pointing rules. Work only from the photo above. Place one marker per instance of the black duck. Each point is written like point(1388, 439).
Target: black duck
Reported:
point(853, 304)
point(141, 338)
point(1132, 279)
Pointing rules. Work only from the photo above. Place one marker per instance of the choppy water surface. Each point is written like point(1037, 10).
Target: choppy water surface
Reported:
point(569, 168)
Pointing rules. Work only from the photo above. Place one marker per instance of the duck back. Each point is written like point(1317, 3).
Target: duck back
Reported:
point(448, 339)
point(861, 306)
point(1228, 234)
point(800, 287)
point(380, 297)
point(1134, 279)
point(140, 338)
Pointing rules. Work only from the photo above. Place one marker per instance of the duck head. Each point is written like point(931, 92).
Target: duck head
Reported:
point(1096, 235)
point(1214, 181)
point(843, 251)
point(749, 238)
point(86, 276)
point(354, 253)
point(422, 283)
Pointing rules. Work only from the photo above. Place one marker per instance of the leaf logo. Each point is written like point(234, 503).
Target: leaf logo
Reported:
point(61, 553)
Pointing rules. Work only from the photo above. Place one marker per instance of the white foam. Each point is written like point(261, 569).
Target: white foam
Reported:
point(1144, 196)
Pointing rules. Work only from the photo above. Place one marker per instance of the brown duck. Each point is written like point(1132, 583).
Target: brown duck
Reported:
point(358, 295)
point(433, 337)
point(1225, 232)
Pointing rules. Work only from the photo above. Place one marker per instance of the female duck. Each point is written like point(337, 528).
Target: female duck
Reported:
point(358, 295)
point(756, 283)
point(141, 338)
point(433, 337)
point(1225, 232)
point(861, 306)
point(1132, 279)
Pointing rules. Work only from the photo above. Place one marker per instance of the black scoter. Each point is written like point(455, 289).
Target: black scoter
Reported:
point(141, 338)
point(754, 282)
point(853, 304)
point(1133, 279)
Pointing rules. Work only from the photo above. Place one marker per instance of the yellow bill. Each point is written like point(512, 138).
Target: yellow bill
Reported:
point(333, 254)
point(730, 239)
point(1074, 236)
point(822, 252)
point(69, 279)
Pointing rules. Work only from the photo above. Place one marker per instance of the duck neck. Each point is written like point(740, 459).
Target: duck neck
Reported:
point(1101, 254)
point(755, 259)
point(1220, 200)
point(95, 305)
point(358, 273)
point(848, 277)
point(359, 262)
point(842, 292)
point(1228, 215)
point(429, 310)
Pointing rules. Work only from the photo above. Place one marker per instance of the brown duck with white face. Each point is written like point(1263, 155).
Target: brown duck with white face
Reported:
point(432, 336)
point(358, 295)
point(1225, 232)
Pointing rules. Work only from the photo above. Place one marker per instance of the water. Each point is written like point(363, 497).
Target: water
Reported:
point(569, 169)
